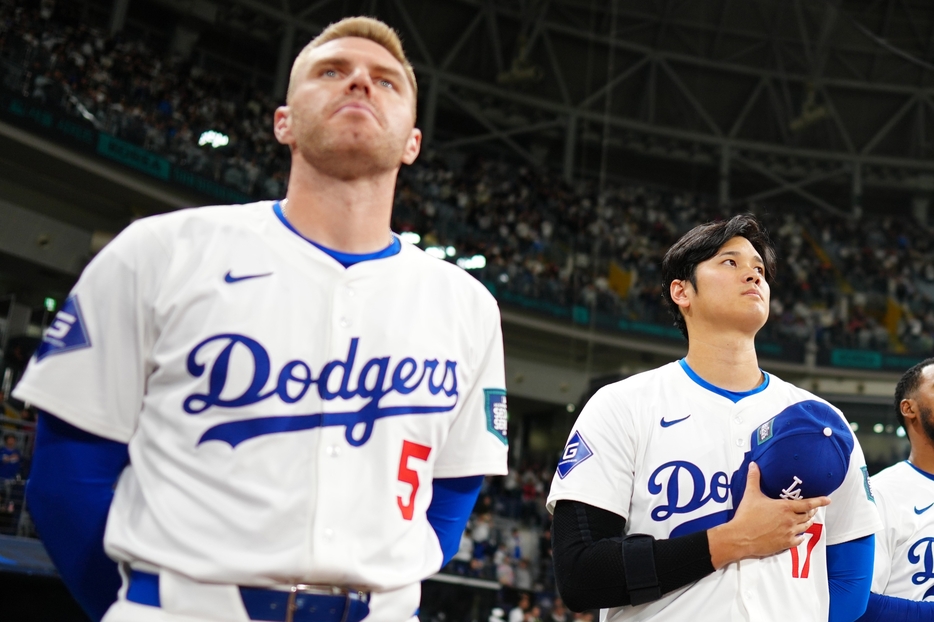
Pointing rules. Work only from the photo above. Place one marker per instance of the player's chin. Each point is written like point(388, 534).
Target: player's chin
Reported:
point(355, 161)
point(750, 319)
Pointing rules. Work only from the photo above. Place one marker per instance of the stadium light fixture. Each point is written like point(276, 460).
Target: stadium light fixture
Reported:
point(436, 251)
point(477, 262)
point(50, 305)
point(878, 428)
point(214, 138)
point(410, 236)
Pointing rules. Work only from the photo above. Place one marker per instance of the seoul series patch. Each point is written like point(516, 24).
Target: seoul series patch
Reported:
point(575, 452)
point(497, 418)
point(66, 333)
point(765, 431)
point(866, 483)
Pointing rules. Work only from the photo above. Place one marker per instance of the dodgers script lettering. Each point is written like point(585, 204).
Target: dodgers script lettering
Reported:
point(667, 479)
point(338, 380)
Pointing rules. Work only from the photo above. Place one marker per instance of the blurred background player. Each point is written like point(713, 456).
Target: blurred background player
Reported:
point(903, 574)
point(10, 466)
point(651, 457)
point(270, 384)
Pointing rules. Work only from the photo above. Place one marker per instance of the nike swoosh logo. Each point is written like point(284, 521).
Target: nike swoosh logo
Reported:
point(922, 510)
point(229, 278)
point(668, 424)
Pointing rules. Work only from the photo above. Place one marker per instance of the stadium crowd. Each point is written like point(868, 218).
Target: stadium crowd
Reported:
point(866, 284)
point(508, 540)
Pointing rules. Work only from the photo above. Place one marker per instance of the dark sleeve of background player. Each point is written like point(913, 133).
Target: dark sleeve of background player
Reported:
point(71, 486)
point(588, 557)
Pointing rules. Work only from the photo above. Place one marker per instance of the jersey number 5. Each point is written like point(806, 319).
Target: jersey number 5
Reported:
point(410, 476)
point(815, 531)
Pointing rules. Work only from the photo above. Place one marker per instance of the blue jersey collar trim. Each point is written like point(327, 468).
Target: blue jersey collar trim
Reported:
point(733, 396)
point(924, 473)
point(344, 259)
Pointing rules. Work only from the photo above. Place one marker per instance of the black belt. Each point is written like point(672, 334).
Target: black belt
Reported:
point(303, 603)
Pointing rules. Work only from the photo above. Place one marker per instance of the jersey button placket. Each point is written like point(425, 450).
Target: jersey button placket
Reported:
point(737, 430)
point(347, 299)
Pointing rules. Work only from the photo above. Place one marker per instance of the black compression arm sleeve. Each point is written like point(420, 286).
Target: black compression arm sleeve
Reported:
point(588, 558)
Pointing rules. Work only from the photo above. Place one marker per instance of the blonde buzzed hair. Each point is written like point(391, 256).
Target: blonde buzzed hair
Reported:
point(365, 28)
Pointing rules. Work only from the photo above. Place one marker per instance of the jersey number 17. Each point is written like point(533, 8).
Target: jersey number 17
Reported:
point(802, 571)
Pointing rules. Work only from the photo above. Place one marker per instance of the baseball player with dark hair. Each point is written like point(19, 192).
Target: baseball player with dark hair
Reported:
point(277, 410)
point(648, 521)
point(903, 576)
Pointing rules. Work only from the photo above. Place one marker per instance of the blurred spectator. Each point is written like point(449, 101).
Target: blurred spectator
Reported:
point(464, 555)
point(558, 612)
point(10, 464)
point(515, 543)
point(505, 574)
point(481, 534)
point(517, 613)
point(10, 458)
point(523, 576)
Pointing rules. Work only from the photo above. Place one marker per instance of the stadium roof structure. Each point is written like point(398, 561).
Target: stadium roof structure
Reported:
point(827, 100)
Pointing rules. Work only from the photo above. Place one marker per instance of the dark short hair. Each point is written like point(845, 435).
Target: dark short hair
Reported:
point(700, 244)
point(907, 385)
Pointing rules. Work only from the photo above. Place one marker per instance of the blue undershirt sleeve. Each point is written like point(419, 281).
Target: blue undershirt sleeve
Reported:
point(883, 608)
point(70, 488)
point(451, 503)
point(849, 576)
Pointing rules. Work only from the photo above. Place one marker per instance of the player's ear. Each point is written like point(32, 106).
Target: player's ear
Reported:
point(413, 146)
point(909, 408)
point(282, 125)
point(679, 292)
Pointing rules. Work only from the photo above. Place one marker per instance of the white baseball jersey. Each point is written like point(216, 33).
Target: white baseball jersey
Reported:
point(904, 563)
point(285, 416)
point(659, 449)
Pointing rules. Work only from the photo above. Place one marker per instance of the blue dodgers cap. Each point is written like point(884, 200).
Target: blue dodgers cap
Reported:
point(802, 452)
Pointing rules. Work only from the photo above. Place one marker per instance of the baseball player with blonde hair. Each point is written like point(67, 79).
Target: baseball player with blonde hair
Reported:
point(655, 517)
point(274, 411)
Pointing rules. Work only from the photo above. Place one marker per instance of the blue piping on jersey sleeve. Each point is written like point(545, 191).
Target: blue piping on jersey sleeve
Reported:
point(70, 489)
point(451, 503)
point(344, 259)
point(733, 396)
point(849, 577)
point(884, 608)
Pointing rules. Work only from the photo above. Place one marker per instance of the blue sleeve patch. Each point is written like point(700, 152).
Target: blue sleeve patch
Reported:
point(66, 333)
point(575, 452)
point(497, 417)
